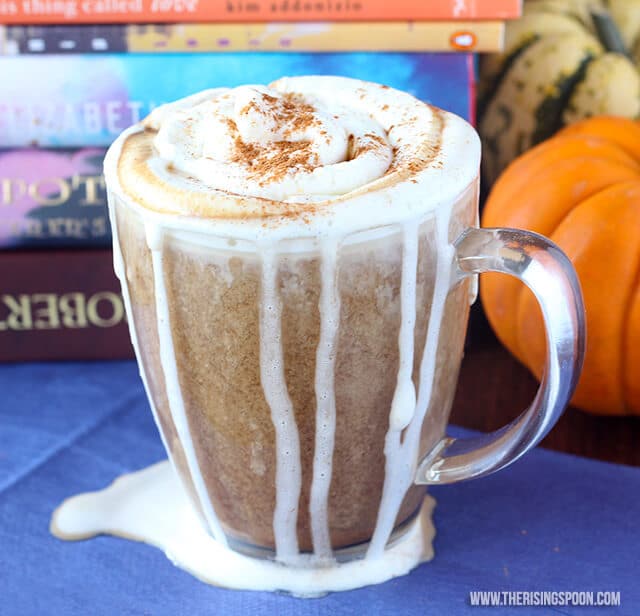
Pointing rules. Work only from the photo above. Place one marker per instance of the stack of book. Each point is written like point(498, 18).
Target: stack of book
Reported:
point(75, 73)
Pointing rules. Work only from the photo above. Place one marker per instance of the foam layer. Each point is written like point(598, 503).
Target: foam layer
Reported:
point(307, 155)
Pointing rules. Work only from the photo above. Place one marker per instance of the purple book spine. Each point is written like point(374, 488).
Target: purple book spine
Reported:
point(53, 198)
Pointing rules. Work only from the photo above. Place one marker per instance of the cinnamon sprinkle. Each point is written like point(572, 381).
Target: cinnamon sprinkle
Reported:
point(273, 161)
point(371, 141)
point(287, 110)
point(245, 153)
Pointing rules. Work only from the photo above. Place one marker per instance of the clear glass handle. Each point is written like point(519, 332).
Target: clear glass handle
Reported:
point(547, 271)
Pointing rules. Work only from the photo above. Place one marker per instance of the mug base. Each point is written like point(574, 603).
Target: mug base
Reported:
point(150, 506)
point(356, 551)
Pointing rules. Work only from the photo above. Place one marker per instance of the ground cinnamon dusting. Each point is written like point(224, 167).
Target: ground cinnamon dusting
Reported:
point(293, 110)
point(288, 155)
point(245, 153)
point(271, 162)
point(287, 110)
point(371, 141)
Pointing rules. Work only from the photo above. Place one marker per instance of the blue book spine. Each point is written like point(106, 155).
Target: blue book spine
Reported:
point(87, 100)
point(74, 106)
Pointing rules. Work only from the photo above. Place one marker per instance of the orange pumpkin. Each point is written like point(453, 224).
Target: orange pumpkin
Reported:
point(580, 188)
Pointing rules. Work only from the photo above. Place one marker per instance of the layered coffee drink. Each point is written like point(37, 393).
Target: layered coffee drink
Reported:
point(287, 262)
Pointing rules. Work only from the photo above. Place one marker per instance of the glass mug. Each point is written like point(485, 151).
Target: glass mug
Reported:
point(302, 384)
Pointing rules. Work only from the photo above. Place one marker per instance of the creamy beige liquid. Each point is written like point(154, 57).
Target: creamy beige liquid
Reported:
point(296, 313)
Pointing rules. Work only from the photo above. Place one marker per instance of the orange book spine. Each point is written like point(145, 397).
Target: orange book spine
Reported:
point(165, 11)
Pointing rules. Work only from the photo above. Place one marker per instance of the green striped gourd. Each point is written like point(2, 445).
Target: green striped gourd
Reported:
point(557, 67)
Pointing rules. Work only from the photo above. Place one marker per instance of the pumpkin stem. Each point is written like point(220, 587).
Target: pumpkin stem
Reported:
point(609, 33)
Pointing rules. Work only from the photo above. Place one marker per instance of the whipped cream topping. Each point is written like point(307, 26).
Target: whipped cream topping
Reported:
point(259, 142)
point(304, 157)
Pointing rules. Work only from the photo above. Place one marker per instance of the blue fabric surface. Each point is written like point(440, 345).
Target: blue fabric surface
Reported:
point(549, 522)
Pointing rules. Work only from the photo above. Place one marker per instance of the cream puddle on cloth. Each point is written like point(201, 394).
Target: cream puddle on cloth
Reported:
point(151, 506)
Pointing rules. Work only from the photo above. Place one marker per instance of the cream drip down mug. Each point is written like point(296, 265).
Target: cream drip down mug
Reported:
point(297, 263)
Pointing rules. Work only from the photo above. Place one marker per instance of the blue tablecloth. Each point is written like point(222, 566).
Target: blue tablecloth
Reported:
point(549, 522)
